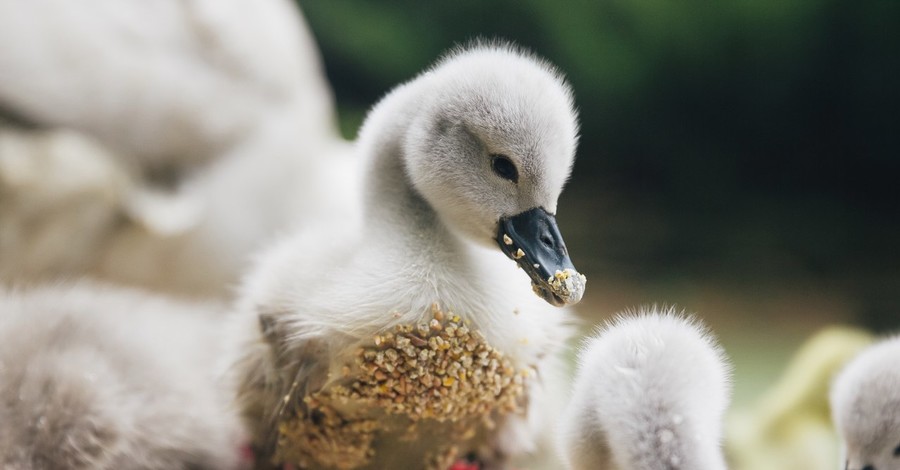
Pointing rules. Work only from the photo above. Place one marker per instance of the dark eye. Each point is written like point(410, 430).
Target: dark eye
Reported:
point(504, 168)
point(897, 451)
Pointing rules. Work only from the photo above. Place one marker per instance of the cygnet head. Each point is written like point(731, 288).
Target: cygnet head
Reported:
point(490, 147)
point(650, 393)
point(865, 407)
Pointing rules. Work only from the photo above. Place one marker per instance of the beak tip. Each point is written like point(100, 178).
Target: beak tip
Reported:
point(568, 285)
point(563, 289)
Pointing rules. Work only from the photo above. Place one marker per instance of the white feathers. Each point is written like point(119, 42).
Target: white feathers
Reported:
point(93, 377)
point(865, 407)
point(431, 213)
point(649, 394)
point(432, 201)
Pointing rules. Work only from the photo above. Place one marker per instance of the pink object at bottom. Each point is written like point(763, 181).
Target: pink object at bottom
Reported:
point(464, 465)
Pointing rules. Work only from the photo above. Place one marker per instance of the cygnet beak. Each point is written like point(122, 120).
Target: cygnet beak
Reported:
point(532, 239)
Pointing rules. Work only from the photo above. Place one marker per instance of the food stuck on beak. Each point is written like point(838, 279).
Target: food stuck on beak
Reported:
point(532, 239)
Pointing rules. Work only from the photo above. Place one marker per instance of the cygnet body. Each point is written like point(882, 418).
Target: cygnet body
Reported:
point(359, 327)
point(649, 394)
point(93, 377)
point(865, 408)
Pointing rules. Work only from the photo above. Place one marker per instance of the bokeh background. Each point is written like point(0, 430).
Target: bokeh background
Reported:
point(739, 159)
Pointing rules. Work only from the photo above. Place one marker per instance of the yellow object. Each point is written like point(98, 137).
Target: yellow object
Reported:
point(790, 426)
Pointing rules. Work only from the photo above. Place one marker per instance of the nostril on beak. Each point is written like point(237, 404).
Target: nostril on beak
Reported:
point(547, 240)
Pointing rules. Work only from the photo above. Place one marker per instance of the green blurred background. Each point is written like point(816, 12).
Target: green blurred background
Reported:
point(737, 158)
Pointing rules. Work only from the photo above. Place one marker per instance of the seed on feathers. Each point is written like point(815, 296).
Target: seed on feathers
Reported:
point(439, 370)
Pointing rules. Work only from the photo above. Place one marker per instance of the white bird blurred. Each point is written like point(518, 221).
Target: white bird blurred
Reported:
point(650, 394)
point(95, 377)
point(865, 407)
point(163, 82)
point(208, 125)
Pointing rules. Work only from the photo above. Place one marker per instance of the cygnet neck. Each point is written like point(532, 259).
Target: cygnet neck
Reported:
point(391, 201)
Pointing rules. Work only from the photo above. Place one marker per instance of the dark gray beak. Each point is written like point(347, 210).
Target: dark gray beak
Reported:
point(532, 239)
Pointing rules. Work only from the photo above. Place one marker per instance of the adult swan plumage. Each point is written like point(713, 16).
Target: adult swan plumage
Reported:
point(410, 340)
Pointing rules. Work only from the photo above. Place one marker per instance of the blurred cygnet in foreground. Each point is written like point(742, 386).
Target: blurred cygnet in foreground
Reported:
point(163, 83)
point(865, 407)
point(649, 394)
point(93, 377)
point(204, 130)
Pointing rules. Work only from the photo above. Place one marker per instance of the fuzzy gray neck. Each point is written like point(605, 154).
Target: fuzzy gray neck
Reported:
point(395, 212)
point(392, 203)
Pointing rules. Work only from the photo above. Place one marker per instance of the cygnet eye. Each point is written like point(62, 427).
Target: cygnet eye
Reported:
point(504, 168)
point(897, 451)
